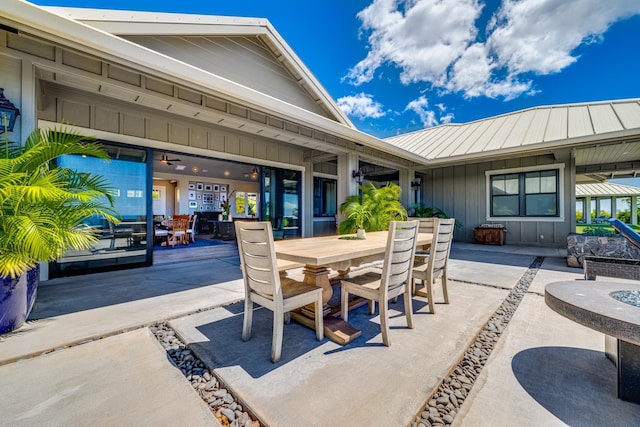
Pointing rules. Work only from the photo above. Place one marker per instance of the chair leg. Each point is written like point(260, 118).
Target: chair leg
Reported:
point(429, 288)
point(372, 306)
point(248, 318)
point(278, 330)
point(445, 294)
point(319, 319)
point(384, 322)
point(345, 305)
point(408, 307)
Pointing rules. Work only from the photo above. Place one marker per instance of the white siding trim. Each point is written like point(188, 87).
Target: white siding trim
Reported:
point(561, 200)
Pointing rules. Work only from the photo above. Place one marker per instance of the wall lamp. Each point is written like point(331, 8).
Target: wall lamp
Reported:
point(415, 184)
point(358, 176)
point(8, 113)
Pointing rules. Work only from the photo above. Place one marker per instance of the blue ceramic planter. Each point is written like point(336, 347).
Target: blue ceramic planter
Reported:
point(16, 299)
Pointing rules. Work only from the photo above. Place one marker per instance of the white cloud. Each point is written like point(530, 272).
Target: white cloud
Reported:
point(361, 105)
point(436, 41)
point(429, 118)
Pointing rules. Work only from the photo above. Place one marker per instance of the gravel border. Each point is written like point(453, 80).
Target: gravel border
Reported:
point(443, 404)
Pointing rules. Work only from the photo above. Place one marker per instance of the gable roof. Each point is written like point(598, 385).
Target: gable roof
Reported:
point(525, 131)
point(311, 129)
point(606, 190)
point(131, 25)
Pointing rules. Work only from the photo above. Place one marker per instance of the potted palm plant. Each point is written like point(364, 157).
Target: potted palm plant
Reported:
point(373, 210)
point(42, 207)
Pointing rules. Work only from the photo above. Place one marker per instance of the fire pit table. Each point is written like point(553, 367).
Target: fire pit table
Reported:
point(611, 308)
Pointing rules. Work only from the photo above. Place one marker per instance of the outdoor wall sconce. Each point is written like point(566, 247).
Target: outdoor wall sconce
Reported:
point(415, 185)
point(8, 113)
point(358, 176)
point(254, 173)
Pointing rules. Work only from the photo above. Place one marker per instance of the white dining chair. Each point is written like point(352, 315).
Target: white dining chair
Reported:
point(395, 279)
point(434, 266)
point(263, 284)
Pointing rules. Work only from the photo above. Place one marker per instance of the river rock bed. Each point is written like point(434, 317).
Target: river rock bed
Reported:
point(443, 405)
point(221, 402)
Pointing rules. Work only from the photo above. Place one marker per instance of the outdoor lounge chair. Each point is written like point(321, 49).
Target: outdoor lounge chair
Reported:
point(263, 284)
point(395, 279)
point(435, 265)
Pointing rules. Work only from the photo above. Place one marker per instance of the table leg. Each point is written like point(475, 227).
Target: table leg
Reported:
point(335, 329)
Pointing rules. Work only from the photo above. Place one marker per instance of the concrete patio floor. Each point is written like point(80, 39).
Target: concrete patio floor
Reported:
point(545, 370)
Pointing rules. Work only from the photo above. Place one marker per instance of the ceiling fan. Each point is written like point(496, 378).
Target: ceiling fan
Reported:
point(166, 160)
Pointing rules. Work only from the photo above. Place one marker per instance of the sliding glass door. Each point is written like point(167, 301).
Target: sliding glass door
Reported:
point(120, 245)
point(281, 203)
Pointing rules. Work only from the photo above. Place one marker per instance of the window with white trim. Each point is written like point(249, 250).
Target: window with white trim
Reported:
point(525, 194)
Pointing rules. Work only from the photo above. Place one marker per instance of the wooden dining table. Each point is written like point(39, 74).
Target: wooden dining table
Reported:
point(335, 254)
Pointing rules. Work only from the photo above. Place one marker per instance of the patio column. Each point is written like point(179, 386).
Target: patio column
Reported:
point(634, 210)
point(614, 213)
point(347, 163)
point(587, 210)
point(407, 198)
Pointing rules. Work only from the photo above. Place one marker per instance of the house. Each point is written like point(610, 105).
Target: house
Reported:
point(195, 110)
point(521, 169)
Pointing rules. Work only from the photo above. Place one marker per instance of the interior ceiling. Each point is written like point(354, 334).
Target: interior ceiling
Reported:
point(607, 161)
point(194, 166)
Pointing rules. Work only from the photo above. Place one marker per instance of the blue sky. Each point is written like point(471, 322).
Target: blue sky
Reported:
point(400, 66)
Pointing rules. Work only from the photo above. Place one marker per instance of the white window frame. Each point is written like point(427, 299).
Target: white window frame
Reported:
point(561, 195)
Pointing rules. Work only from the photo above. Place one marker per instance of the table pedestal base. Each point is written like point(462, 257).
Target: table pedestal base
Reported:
point(627, 359)
point(336, 329)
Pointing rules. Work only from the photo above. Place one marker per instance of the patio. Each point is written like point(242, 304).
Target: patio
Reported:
point(544, 369)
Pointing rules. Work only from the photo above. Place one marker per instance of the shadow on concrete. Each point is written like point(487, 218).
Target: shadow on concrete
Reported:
point(78, 293)
point(224, 346)
point(576, 385)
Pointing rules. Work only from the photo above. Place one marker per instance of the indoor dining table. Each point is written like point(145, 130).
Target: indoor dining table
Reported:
point(321, 255)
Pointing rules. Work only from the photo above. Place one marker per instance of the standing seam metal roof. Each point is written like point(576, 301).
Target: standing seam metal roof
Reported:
point(532, 128)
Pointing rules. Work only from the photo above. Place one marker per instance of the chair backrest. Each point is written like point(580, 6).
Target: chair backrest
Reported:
point(258, 258)
point(180, 223)
point(401, 248)
point(192, 222)
point(440, 245)
point(426, 225)
point(629, 233)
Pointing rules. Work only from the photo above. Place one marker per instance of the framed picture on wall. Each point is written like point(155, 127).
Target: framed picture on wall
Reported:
point(207, 198)
point(216, 187)
point(192, 195)
point(199, 197)
point(217, 198)
point(208, 207)
point(193, 205)
point(223, 188)
point(199, 186)
point(223, 197)
point(208, 187)
point(192, 186)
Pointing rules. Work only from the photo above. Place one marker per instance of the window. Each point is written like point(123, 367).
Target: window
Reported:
point(525, 194)
point(324, 197)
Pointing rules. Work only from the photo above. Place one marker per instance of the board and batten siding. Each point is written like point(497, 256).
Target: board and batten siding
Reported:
point(74, 107)
point(461, 192)
point(243, 60)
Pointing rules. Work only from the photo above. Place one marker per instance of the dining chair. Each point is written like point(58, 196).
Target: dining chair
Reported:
point(191, 228)
point(395, 279)
point(426, 226)
point(263, 284)
point(435, 265)
point(178, 232)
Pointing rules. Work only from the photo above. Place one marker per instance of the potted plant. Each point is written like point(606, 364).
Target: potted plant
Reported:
point(373, 210)
point(42, 210)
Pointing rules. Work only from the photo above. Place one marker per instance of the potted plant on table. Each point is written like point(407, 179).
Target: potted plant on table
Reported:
point(42, 208)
